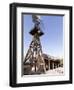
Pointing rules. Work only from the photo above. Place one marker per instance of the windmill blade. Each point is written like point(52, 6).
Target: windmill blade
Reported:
point(36, 18)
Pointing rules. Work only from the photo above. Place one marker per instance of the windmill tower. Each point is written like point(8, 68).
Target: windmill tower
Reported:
point(34, 61)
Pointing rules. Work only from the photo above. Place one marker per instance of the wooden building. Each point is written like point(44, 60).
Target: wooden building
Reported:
point(50, 62)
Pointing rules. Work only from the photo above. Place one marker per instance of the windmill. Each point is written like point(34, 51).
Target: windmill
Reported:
point(34, 62)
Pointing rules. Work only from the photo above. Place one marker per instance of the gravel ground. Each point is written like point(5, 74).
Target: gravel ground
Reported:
point(57, 71)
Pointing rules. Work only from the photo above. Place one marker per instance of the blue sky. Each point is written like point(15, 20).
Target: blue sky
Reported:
point(52, 40)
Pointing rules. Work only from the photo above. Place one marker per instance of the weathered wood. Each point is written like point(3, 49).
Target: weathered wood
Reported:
point(34, 55)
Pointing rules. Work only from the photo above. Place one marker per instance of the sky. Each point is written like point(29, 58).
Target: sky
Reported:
point(52, 40)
